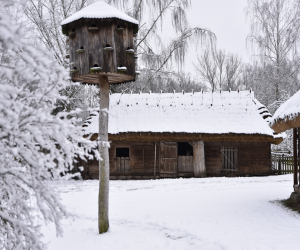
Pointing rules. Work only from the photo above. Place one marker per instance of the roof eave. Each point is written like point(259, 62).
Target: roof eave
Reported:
point(281, 125)
point(135, 30)
point(169, 136)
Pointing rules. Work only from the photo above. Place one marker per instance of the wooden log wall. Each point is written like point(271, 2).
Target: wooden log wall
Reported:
point(253, 159)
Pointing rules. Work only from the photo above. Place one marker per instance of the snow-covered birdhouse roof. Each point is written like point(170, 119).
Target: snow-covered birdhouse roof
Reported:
point(287, 116)
point(198, 114)
point(99, 10)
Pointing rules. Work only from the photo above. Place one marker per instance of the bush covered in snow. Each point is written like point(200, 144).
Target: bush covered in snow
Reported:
point(35, 146)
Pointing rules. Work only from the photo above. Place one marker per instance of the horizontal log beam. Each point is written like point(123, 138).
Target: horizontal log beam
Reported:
point(113, 78)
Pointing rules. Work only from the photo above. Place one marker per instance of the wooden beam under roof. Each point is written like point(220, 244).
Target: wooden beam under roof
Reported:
point(113, 78)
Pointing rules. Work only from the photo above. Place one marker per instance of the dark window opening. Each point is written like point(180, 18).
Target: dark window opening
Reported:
point(122, 152)
point(185, 149)
point(128, 48)
point(118, 27)
point(107, 45)
point(93, 25)
point(96, 65)
point(81, 47)
point(74, 68)
point(73, 30)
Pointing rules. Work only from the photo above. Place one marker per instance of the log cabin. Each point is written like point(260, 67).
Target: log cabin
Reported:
point(287, 116)
point(170, 135)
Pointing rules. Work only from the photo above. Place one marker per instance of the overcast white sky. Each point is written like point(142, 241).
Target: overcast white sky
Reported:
point(226, 19)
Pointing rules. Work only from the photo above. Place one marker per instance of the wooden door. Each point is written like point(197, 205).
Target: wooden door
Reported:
point(122, 164)
point(168, 158)
point(185, 164)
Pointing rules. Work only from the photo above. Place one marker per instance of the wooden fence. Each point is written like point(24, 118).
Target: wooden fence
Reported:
point(282, 164)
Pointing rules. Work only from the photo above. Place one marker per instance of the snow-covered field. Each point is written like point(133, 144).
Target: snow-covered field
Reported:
point(210, 213)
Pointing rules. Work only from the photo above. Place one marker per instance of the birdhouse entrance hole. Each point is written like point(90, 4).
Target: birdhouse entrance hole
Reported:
point(119, 28)
point(129, 50)
point(122, 69)
point(81, 50)
point(108, 47)
point(72, 34)
point(96, 68)
point(74, 70)
point(93, 27)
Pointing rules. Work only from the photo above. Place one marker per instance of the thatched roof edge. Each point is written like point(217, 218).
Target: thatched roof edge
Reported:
point(281, 125)
point(153, 137)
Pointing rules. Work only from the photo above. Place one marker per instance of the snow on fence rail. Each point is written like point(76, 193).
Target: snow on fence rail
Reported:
point(282, 163)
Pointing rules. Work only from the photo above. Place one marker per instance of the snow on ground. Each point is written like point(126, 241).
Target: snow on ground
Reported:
point(211, 213)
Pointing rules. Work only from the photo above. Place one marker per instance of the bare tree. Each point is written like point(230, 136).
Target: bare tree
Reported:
point(44, 19)
point(218, 69)
point(275, 27)
point(232, 71)
point(208, 69)
point(220, 59)
point(157, 56)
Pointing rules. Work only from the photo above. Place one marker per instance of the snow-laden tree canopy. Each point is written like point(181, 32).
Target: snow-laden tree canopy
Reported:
point(35, 146)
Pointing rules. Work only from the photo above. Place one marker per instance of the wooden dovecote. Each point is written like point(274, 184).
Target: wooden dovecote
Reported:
point(101, 35)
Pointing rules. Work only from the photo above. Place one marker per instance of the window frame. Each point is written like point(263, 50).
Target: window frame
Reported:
point(230, 154)
point(119, 170)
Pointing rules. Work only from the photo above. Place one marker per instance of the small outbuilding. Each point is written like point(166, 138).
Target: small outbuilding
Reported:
point(169, 135)
point(287, 116)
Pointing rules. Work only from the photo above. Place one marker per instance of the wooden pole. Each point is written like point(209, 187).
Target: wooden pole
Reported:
point(295, 156)
point(155, 161)
point(103, 223)
point(298, 165)
point(199, 159)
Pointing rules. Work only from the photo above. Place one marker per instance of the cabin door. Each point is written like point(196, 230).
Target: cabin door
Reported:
point(168, 163)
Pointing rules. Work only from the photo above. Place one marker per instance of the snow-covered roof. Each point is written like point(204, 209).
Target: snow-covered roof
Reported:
point(210, 113)
point(289, 110)
point(99, 10)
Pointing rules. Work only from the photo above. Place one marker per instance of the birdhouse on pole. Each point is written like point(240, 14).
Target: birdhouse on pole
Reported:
point(101, 41)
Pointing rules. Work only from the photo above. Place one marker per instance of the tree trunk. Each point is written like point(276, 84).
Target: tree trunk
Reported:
point(199, 159)
point(103, 223)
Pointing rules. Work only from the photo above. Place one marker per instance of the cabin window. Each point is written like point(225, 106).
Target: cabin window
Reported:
point(122, 160)
point(229, 160)
point(122, 152)
point(185, 149)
